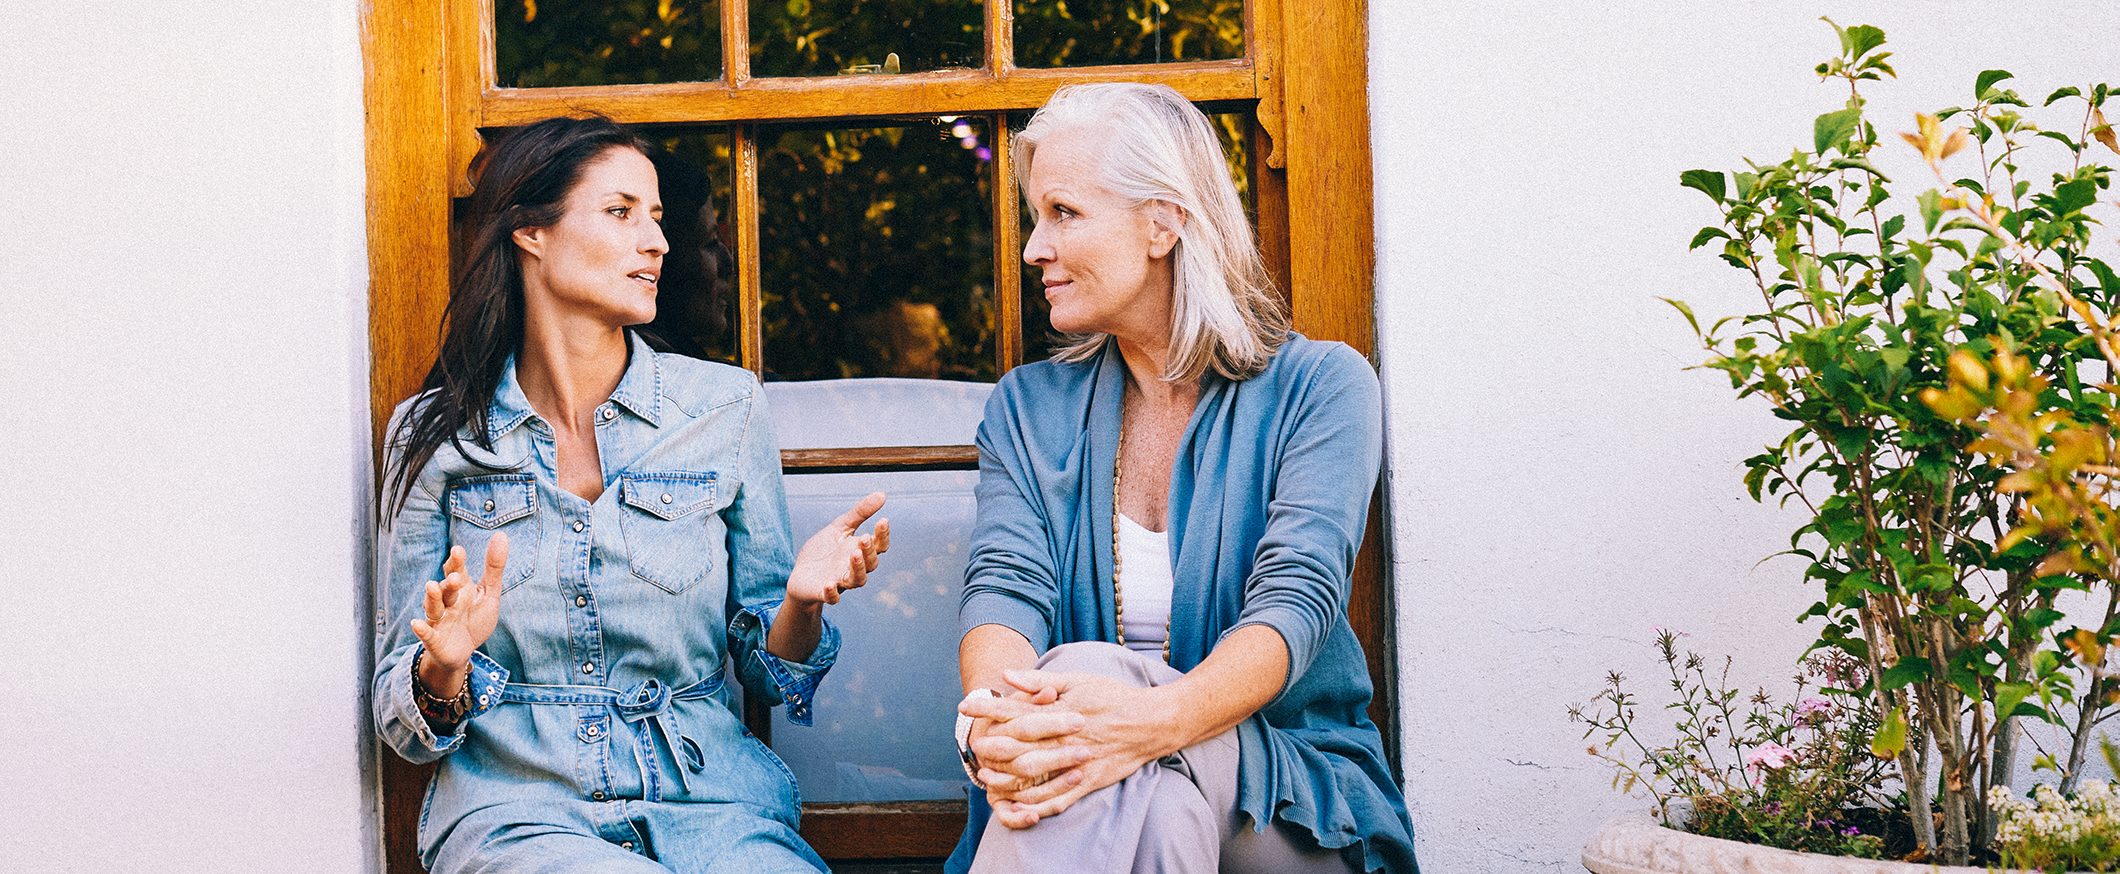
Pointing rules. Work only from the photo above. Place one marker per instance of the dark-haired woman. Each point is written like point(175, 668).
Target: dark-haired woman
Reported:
point(580, 535)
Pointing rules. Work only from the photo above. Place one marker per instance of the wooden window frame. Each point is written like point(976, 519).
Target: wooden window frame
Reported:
point(429, 89)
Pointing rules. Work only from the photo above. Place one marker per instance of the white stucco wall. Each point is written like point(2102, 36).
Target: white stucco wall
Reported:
point(183, 452)
point(1559, 484)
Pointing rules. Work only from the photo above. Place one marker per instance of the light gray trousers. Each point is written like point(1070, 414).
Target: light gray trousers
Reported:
point(1176, 815)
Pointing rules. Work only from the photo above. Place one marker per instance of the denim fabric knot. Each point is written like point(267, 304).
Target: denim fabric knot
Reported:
point(649, 700)
point(646, 707)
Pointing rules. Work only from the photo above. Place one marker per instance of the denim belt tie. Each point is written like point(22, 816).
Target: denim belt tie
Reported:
point(645, 706)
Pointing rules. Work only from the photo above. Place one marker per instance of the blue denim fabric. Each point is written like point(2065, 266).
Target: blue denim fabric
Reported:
point(600, 717)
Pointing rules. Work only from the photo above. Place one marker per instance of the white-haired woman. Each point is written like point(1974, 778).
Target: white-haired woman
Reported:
point(1159, 671)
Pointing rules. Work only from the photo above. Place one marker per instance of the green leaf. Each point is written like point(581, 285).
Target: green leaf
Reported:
point(1893, 225)
point(1931, 209)
point(1987, 79)
point(1708, 182)
point(1684, 311)
point(2108, 282)
point(2074, 195)
point(2070, 91)
point(2009, 695)
point(1861, 40)
point(1891, 737)
point(1706, 234)
point(1833, 128)
point(1908, 670)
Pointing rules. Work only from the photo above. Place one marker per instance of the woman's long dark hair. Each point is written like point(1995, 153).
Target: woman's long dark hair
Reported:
point(523, 181)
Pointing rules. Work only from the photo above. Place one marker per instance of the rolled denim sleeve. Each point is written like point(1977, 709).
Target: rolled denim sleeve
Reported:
point(791, 683)
point(761, 556)
point(410, 549)
point(407, 730)
point(1330, 458)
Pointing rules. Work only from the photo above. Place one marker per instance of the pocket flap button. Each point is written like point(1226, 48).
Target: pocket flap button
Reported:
point(489, 506)
point(666, 498)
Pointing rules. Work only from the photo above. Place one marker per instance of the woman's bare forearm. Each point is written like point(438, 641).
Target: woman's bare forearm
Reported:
point(1243, 674)
point(987, 651)
point(797, 628)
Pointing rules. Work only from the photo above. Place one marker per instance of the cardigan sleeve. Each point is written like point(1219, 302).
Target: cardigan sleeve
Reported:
point(1331, 451)
point(1010, 579)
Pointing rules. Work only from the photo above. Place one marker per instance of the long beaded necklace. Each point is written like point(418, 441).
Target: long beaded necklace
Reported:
point(1118, 592)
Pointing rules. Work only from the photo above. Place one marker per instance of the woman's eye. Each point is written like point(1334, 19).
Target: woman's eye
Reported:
point(1063, 212)
point(620, 211)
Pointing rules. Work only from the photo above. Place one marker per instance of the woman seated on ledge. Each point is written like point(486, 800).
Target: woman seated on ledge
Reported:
point(625, 511)
point(1159, 671)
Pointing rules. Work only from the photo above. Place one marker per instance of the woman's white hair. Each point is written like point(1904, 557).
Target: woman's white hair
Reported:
point(1158, 147)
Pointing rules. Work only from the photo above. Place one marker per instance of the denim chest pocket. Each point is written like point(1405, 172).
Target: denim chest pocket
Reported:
point(672, 525)
point(481, 506)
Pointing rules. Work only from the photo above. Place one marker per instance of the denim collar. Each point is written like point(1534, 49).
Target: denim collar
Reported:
point(639, 391)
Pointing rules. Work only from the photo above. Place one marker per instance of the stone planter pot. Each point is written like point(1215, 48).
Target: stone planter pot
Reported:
point(1638, 844)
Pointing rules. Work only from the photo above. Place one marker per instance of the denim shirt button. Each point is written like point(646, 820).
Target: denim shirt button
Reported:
point(626, 845)
point(588, 667)
point(489, 506)
point(609, 414)
point(666, 497)
point(598, 795)
point(578, 526)
point(581, 600)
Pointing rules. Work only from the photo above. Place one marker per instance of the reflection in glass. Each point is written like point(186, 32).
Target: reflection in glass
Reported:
point(695, 302)
point(1235, 130)
point(605, 42)
point(829, 37)
point(844, 413)
point(1084, 33)
point(876, 251)
point(884, 715)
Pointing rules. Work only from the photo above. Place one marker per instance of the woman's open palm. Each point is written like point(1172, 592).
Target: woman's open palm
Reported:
point(461, 614)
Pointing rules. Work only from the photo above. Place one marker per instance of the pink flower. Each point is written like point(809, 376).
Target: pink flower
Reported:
point(1770, 755)
point(1810, 708)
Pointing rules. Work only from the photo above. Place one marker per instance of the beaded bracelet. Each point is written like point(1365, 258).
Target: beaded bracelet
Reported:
point(445, 711)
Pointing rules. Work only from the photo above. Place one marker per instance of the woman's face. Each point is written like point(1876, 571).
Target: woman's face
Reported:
point(1104, 260)
point(603, 258)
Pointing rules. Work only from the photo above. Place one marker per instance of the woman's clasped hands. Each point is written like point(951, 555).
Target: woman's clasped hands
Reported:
point(1056, 736)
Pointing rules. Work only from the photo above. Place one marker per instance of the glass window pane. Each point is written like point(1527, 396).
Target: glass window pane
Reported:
point(829, 37)
point(876, 251)
point(695, 303)
point(1084, 33)
point(594, 42)
point(885, 715)
point(847, 413)
point(1236, 131)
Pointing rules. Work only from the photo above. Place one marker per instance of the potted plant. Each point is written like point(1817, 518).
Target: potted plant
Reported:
point(1945, 373)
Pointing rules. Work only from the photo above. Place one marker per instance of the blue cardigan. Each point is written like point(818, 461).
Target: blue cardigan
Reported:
point(1268, 497)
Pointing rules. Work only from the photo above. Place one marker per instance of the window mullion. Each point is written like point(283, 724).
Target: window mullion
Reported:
point(750, 318)
point(1000, 37)
point(1008, 236)
point(735, 41)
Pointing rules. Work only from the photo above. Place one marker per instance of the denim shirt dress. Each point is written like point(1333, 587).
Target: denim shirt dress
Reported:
point(600, 713)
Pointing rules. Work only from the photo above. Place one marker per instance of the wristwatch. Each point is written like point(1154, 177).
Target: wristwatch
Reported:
point(964, 738)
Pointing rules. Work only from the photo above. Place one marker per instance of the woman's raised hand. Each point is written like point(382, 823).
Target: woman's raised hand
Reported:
point(460, 616)
point(839, 557)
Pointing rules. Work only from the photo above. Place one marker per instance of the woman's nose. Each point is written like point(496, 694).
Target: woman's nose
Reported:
point(652, 241)
point(1036, 250)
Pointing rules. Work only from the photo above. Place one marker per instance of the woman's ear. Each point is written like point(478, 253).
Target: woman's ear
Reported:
point(1165, 222)
point(530, 240)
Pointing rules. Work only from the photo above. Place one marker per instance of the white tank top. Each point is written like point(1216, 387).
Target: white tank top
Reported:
point(1144, 586)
